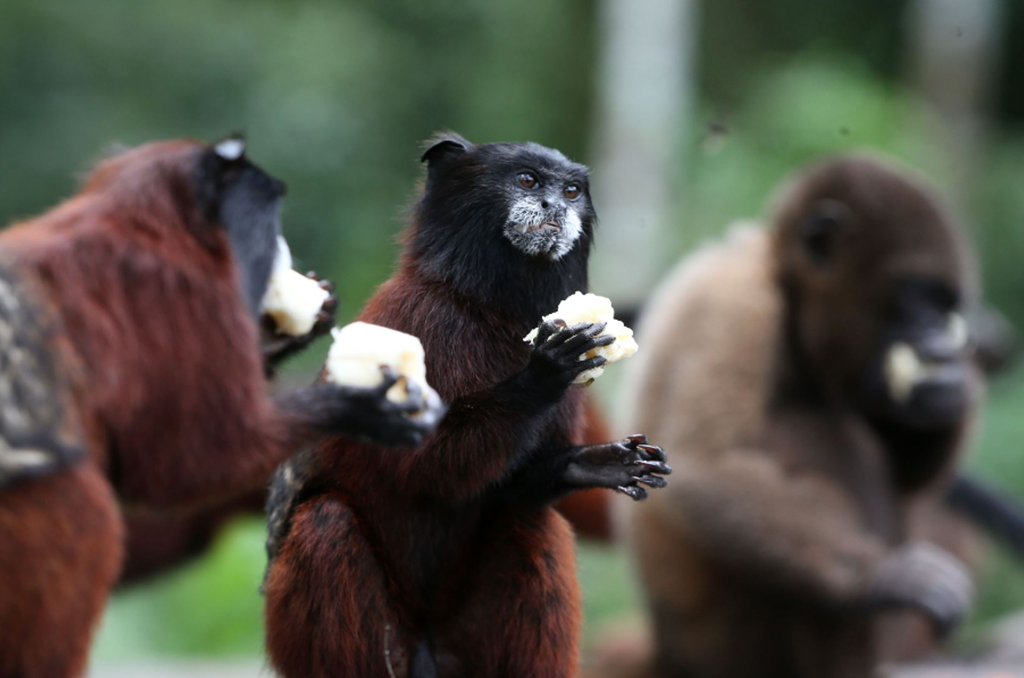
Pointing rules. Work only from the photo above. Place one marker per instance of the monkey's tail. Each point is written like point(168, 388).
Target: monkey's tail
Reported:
point(995, 511)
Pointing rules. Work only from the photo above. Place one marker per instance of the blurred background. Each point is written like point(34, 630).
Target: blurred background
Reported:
point(688, 112)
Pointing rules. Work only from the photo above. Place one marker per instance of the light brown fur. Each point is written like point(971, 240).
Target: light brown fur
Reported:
point(758, 557)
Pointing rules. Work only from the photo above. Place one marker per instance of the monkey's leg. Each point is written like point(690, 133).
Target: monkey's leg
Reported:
point(60, 553)
point(328, 611)
point(523, 612)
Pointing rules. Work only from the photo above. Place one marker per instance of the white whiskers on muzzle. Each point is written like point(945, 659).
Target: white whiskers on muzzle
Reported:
point(537, 231)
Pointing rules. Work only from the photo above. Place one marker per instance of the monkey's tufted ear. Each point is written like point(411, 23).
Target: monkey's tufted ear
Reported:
point(442, 145)
point(231, 149)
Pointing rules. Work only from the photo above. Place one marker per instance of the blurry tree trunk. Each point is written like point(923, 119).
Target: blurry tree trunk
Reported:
point(954, 50)
point(645, 104)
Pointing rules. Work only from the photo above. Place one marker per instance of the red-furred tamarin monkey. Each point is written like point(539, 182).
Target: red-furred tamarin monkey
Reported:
point(448, 559)
point(131, 371)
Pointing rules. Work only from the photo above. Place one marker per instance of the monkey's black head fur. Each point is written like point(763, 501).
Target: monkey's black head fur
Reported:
point(509, 224)
point(247, 201)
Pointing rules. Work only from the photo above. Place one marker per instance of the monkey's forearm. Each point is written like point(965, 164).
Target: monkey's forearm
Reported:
point(484, 436)
point(553, 472)
point(797, 533)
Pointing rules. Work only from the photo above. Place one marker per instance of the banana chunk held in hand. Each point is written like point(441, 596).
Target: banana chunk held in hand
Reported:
point(292, 300)
point(591, 308)
point(359, 352)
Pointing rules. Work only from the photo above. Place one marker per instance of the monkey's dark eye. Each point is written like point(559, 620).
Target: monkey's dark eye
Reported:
point(527, 179)
point(819, 231)
point(571, 192)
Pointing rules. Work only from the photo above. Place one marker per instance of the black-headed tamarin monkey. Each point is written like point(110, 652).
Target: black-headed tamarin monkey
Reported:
point(131, 372)
point(814, 385)
point(448, 560)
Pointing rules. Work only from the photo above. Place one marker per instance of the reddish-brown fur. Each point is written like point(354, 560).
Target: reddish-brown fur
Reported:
point(365, 572)
point(163, 365)
point(61, 552)
point(589, 511)
point(156, 544)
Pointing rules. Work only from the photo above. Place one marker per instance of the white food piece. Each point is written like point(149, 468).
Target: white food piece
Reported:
point(591, 308)
point(360, 349)
point(292, 300)
point(904, 369)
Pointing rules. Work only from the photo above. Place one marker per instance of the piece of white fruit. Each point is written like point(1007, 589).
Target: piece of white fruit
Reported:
point(292, 300)
point(360, 349)
point(903, 371)
point(591, 308)
point(904, 368)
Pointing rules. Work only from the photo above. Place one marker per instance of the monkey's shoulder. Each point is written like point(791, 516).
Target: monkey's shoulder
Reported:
point(38, 434)
point(709, 340)
point(469, 346)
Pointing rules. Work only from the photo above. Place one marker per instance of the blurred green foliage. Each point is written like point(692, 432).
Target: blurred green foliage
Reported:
point(336, 96)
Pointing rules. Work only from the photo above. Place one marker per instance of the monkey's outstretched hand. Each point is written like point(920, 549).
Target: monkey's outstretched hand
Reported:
point(278, 347)
point(367, 413)
point(923, 576)
point(556, 358)
point(623, 465)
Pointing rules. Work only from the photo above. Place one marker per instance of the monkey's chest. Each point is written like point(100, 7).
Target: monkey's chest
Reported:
point(845, 452)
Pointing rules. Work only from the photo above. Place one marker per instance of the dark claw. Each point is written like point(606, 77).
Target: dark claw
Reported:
point(652, 481)
point(330, 304)
point(637, 438)
point(634, 493)
point(652, 450)
point(559, 323)
point(658, 466)
point(312, 275)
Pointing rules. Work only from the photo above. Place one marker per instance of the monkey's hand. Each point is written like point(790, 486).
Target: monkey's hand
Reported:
point(369, 413)
point(558, 358)
point(278, 347)
point(926, 577)
point(623, 465)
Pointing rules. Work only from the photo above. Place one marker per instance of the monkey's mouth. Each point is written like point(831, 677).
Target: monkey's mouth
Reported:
point(547, 235)
point(543, 227)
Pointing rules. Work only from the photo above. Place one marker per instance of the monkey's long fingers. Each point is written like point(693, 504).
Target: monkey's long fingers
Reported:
point(390, 378)
point(563, 335)
point(584, 365)
point(652, 481)
point(414, 401)
point(546, 329)
point(659, 467)
point(634, 493)
point(582, 337)
point(652, 452)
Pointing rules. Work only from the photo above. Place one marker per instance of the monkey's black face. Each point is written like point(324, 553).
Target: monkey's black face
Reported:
point(247, 201)
point(546, 198)
point(506, 223)
point(921, 374)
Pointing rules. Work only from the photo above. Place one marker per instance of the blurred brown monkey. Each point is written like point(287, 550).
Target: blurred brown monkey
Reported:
point(814, 386)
